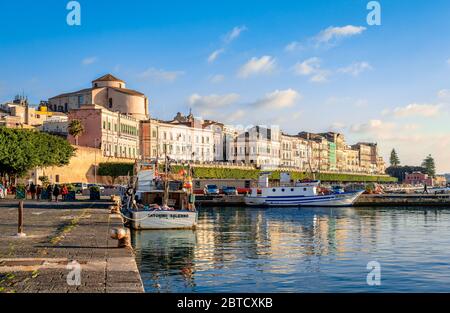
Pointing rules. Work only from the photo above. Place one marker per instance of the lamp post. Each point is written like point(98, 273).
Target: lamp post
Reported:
point(95, 159)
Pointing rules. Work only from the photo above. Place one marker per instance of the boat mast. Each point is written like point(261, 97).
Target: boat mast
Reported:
point(166, 180)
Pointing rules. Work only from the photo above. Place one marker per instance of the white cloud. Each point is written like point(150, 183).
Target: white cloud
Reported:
point(234, 33)
point(213, 56)
point(414, 109)
point(217, 78)
point(374, 125)
point(89, 60)
point(444, 94)
point(312, 67)
point(278, 99)
point(347, 101)
point(212, 101)
point(265, 64)
point(335, 33)
point(337, 127)
point(356, 68)
point(235, 116)
point(292, 46)
point(161, 75)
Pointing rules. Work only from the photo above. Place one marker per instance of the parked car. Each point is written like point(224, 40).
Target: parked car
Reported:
point(79, 187)
point(229, 190)
point(243, 190)
point(211, 190)
point(96, 185)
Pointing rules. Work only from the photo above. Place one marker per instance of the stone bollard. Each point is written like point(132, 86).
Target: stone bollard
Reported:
point(113, 209)
point(123, 235)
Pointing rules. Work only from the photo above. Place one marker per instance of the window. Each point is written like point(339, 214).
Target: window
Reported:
point(154, 134)
point(110, 102)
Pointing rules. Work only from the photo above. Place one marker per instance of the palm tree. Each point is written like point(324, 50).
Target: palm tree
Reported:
point(75, 129)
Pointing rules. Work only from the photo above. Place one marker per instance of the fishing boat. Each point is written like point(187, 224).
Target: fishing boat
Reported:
point(153, 205)
point(300, 194)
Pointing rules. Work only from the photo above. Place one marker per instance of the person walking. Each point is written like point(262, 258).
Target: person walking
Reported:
point(38, 192)
point(64, 192)
point(425, 188)
point(56, 192)
point(49, 192)
point(33, 191)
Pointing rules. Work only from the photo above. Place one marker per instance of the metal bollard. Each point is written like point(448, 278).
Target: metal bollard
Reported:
point(20, 232)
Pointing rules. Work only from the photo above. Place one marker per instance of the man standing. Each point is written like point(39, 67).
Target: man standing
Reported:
point(33, 191)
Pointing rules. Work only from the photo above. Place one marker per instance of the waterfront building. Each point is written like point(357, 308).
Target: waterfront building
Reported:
point(365, 156)
point(107, 91)
point(288, 151)
point(418, 178)
point(351, 159)
point(440, 180)
point(319, 151)
point(117, 135)
point(337, 157)
point(182, 140)
point(224, 140)
point(259, 146)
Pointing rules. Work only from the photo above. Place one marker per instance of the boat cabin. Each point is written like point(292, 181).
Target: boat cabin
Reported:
point(299, 189)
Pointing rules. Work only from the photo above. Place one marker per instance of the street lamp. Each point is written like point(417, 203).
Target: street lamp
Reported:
point(95, 159)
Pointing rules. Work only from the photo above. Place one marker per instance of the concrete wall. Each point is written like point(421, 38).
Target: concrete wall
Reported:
point(80, 169)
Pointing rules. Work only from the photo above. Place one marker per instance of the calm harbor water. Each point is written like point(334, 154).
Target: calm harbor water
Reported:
point(300, 250)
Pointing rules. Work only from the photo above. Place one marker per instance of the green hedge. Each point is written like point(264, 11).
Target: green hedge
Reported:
point(234, 173)
point(115, 169)
point(122, 169)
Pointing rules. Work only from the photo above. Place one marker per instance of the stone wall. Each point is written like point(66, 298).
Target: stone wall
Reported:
point(80, 169)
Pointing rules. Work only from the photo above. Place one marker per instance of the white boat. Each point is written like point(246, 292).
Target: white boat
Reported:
point(149, 213)
point(301, 194)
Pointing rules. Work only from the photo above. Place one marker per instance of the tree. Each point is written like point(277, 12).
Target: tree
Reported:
point(75, 129)
point(429, 166)
point(22, 150)
point(394, 160)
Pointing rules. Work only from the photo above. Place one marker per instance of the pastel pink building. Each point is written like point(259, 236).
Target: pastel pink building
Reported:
point(418, 178)
point(117, 135)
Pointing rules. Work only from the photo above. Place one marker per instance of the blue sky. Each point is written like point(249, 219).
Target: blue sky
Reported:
point(304, 65)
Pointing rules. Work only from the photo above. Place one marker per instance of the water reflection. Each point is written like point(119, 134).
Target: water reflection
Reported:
point(295, 250)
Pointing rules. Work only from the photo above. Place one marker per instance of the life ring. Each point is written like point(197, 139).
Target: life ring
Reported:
point(130, 191)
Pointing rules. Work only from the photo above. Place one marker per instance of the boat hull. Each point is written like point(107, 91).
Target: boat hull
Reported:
point(334, 200)
point(164, 220)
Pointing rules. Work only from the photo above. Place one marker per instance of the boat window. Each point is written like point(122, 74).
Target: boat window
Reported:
point(274, 190)
point(292, 189)
point(304, 189)
point(282, 190)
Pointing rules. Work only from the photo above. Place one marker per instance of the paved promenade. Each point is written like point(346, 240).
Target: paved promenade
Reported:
point(57, 235)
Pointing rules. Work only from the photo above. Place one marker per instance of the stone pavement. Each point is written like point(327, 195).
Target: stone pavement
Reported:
point(57, 235)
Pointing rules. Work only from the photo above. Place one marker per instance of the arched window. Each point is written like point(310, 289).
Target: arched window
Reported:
point(110, 102)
